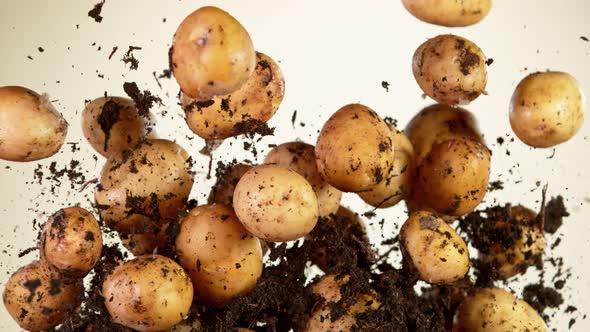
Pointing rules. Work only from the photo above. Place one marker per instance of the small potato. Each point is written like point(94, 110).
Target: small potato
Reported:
point(148, 293)
point(30, 127)
point(496, 310)
point(276, 204)
point(212, 54)
point(37, 297)
point(355, 149)
point(147, 243)
point(433, 248)
point(223, 190)
point(72, 242)
point(454, 176)
point(112, 125)
point(300, 157)
point(450, 69)
point(222, 258)
point(241, 111)
point(398, 184)
point(449, 13)
point(547, 109)
point(145, 188)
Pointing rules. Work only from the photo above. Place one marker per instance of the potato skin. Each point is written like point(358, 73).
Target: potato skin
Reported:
point(72, 242)
point(450, 69)
point(433, 248)
point(228, 258)
point(30, 127)
point(148, 293)
point(241, 111)
point(494, 309)
point(355, 149)
point(146, 188)
point(300, 157)
point(212, 54)
point(276, 204)
point(37, 297)
point(449, 13)
point(547, 109)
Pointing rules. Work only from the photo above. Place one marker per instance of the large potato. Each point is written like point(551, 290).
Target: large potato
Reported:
point(496, 310)
point(546, 109)
point(241, 111)
point(223, 190)
point(450, 13)
point(300, 157)
point(30, 127)
point(433, 248)
point(37, 297)
point(212, 54)
point(223, 259)
point(450, 69)
point(148, 293)
point(144, 188)
point(276, 204)
point(355, 149)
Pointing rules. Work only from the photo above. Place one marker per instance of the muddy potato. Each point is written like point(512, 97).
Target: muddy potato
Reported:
point(450, 69)
point(148, 293)
point(212, 54)
point(300, 157)
point(72, 242)
point(112, 125)
point(227, 179)
point(146, 188)
point(241, 111)
point(355, 149)
point(37, 297)
point(398, 184)
point(147, 243)
point(276, 204)
point(494, 309)
point(433, 248)
point(223, 259)
point(450, 13)
point(30, 127)
point(547, 109)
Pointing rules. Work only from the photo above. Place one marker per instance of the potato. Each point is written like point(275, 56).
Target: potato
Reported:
point(37, 297)
point(355, 149)
point(300, 157)
point(450, 13)
point(547, 109)
point(148, 293)
point(241, 111)
point(72, 242)
point(30, 127)
point(222, 258)
point(112, 125)
point(398, 184)
point(276, 204)
point(223, 190)
point(494, 309)
point(147, 243)
point(212, 54)
point(450, 69)
point(433, 248)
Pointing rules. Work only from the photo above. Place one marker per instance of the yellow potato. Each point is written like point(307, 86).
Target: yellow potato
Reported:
point(355, 149)
point(148, 293)
point(450, 13)
point(212, 54)
point(222, 258)
point(496, 310)
point(300, 157)
point(450, 69)
point(146, 188)
point(223, 190)
point(276, 204)
point(147, 243)
point(547, 109)
point(241, 111)
point(433, 248)
point(30, 127)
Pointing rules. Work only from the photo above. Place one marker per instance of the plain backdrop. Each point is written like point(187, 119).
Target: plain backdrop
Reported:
point(332, 53)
